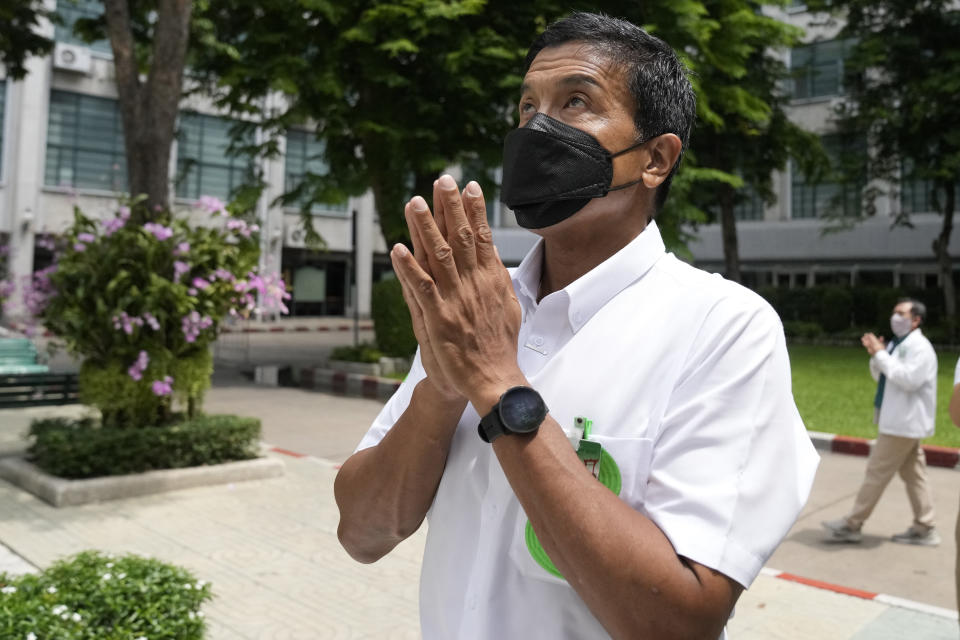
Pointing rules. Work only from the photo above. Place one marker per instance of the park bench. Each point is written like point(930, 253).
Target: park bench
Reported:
point(25, 383)
point(37, 389)
point(18, 356)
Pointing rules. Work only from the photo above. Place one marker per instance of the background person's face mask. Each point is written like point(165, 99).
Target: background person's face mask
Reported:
point(900, 325)
point(552, 170)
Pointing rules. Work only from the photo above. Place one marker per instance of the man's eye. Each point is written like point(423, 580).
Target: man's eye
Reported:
point(576, 101)
point(526, 107)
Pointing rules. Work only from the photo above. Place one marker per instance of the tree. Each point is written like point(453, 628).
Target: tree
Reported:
point(902, 81)
point(19, 35)
point(397, 91)
point(743, 133)
point(149, 42)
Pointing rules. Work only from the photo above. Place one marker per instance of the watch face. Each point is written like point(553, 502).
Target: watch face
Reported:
point(522, 410)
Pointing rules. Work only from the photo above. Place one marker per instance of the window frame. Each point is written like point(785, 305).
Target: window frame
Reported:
point(808, 71)
point(183, 177)
point(317, 209)
point(117, 151)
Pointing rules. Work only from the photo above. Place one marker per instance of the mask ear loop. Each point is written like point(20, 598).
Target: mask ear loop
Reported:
point(620, 153)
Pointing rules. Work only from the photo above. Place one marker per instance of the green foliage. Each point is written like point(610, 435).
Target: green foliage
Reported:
point(117, 294)
point(85, 449)
point(361, 353)
point(843, 311)
point(419, 85)
point(95, 596)
point(391, 320)
point(20, 36)
point(836, 308)
point(128, 402)
point(801, 329)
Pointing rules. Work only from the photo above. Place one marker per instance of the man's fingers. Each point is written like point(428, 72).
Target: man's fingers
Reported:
point(459, 233)
point(418, 283)
point(439, 215)
point(476, 208)
point(439, 254)
point(419, 251)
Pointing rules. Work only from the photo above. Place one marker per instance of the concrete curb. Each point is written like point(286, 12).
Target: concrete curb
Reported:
point(883, 598)
point(26, 329)
point(347, 384)
point(66, 493)
point(936, 456)
point(296, 329)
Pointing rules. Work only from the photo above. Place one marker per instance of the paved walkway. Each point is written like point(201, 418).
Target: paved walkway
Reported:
point(270, 550)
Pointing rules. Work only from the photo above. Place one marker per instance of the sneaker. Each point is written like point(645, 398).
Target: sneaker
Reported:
point(913, 535)
point(840, 531)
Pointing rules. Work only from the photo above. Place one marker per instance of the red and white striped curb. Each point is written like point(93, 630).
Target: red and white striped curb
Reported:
point(936, 456)
point(350, 384)
point(882, 598)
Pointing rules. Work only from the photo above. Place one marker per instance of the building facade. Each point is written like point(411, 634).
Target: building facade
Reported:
point(61, 145)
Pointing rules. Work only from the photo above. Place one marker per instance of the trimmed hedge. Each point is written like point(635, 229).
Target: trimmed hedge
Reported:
point(83, 449)
point(391, 320)
point(838, 309)
point(94, 596)
point(361, 353)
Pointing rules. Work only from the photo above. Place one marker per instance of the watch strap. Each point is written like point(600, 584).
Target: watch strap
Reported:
point(491, 427)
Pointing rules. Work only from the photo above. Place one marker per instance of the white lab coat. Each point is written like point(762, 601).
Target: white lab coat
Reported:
point(910, 395)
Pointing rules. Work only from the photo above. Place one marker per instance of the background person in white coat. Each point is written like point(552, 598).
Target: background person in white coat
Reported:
point(905, 405)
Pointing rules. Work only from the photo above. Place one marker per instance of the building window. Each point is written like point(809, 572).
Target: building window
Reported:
point(85, 143)
point(3, 104)
point(838, 191)
point(305, 156)
point(818, 68)
point(205, 164)
point(72, 10)
point(749, 205)
point(916, 194)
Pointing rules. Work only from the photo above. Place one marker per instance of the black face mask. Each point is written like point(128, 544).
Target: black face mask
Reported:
point(552, 170)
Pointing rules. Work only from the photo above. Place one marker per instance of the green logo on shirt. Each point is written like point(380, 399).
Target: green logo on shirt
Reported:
point(609, 477)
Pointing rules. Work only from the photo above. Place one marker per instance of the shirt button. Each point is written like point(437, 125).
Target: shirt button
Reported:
point(538, 341)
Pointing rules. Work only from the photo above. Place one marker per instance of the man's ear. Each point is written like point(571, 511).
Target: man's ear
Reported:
point(663, 153)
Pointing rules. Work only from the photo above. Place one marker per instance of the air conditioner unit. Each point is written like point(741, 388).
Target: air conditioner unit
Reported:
point(71, 57)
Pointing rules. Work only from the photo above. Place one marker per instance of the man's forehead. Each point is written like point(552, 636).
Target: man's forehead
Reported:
point(577, 60)
point(903, 307)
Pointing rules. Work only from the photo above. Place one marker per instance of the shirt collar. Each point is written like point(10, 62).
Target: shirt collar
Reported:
point(589, 293)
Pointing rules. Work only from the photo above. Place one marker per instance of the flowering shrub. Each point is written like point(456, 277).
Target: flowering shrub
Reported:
point(94, 596)
point(141, 304)
point(6, 284)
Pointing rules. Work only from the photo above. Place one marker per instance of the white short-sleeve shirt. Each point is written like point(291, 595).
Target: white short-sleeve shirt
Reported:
point(686, 378)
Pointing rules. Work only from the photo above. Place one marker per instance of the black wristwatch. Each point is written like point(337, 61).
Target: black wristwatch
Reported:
point(520, 410)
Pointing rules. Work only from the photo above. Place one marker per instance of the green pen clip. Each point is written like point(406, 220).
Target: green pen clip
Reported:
point(589, 451)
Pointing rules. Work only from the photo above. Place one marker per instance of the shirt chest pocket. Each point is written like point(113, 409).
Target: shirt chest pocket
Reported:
point(624, 469)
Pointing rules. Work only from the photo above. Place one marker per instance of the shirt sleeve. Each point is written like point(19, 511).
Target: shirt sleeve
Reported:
point(910, 372)
point(733, 464)
point(395, 406)
point(956, 373)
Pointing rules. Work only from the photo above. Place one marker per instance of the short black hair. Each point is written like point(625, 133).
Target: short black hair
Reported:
point(917, 308)
point(663, 96)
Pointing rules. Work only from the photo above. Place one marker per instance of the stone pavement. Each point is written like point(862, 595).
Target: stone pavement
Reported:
point(270, 550)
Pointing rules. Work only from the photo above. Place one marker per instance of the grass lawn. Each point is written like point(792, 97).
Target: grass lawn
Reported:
point(834, 392)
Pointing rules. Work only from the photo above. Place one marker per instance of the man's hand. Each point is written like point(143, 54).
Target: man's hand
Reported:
point(872, 343)
point(465, 314)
